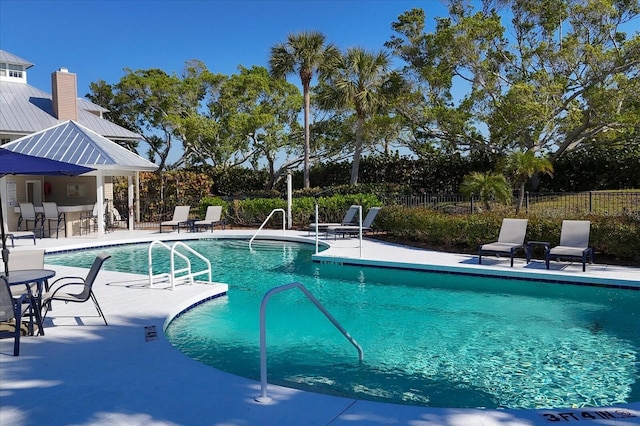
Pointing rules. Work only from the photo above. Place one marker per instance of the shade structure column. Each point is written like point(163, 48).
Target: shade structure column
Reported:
point(130, 220)
point(137, 197)
point(100, 201)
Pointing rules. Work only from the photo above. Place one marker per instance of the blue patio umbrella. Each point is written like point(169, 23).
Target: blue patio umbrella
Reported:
point(15, 163)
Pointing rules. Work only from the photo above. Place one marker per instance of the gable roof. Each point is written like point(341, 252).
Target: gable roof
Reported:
point(10, 58)
point(73, 143)
point(25, 109)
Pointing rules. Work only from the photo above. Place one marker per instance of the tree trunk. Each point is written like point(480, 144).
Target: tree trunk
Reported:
point(520, 197)
point(307, 135)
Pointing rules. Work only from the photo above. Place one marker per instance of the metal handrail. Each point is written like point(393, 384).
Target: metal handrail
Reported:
point(173, 272)
point(284, 223)
point(263, 332)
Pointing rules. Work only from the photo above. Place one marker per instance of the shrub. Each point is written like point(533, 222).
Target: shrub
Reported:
point(212, 201)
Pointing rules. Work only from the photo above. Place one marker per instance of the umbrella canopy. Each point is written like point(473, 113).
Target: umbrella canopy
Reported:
point(14, 163)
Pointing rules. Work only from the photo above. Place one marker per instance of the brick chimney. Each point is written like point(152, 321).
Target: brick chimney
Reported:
point(65, 95)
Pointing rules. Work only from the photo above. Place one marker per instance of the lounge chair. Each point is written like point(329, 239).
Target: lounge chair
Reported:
point(574, 243)
point(180, 218)
point(510, 239)
point(14, 235)
point(211, 219)
point(11, 314)
point(85, 284)
point(348, 219)
point(355, 229)
point(51, 214)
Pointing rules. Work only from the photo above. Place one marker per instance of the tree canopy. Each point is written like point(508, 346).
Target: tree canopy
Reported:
point(496, 76)
point(522, 75)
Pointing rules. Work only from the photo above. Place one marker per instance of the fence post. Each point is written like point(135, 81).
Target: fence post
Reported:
point(590, 201)
point(471, 203)
point(526, 202)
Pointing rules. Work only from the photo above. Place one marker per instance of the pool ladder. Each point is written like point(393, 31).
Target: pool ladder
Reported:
point(263, 332)
point(177, 276)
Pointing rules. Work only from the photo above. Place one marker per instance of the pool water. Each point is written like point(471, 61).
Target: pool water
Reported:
point(429, 339)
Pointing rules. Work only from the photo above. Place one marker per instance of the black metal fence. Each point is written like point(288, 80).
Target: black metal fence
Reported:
point(154, 211)
point(609, 203)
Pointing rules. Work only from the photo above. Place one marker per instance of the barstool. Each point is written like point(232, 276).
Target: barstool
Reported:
point(51, 214)
point(27, 213)
point(87, 218)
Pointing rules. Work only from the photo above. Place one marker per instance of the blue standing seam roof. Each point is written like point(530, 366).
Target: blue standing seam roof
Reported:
point(73, 143)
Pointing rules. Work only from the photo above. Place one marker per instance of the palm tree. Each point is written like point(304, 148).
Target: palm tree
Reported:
point(303, 53)
point(355, 80)
point(488, 186)
point(525, 165)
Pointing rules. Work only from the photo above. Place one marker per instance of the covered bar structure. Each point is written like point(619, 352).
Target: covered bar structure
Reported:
point(77, 197)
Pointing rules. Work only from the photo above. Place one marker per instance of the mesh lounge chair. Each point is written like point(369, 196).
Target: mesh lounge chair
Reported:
point(14, 235)
point(348, 219)
point(211, 219)
point(180, 217)
point(51, 214)
point(355, 229)
point(510, 240)
point(574, 243)
point(85, 284)
point(11, 314)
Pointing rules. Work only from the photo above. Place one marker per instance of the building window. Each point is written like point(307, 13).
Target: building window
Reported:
point(11, 70)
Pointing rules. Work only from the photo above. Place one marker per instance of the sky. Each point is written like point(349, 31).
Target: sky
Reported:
point(98, 39)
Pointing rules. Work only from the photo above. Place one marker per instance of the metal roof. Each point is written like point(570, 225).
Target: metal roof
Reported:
point(25, 109)
point(73, 143)
point(10, 58)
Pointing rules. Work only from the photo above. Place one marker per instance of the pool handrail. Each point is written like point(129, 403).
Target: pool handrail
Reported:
point(284, 224)
point(173, 253)
point(263, 332)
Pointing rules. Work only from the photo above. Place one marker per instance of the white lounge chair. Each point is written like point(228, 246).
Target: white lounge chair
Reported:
point(180, 218)
point(348, 219)
point(510, 240)
point(211, 219)
point(367, 222)
point(14, 235)
point(574, 243)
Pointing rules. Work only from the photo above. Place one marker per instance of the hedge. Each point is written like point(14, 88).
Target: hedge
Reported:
point(615, 238)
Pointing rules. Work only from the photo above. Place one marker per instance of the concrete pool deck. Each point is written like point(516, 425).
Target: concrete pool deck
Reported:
point(85, 373)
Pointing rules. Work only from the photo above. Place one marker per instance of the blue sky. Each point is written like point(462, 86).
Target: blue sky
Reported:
point(98, 39)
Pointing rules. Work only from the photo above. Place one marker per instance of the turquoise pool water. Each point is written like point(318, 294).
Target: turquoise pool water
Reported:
point(441, 340)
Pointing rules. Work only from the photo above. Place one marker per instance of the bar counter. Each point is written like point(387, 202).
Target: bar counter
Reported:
point(71, 215)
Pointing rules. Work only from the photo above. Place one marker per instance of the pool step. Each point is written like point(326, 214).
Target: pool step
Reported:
point(165, 278)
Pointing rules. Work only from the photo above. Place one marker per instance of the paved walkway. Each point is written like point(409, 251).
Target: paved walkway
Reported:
point(85, 373)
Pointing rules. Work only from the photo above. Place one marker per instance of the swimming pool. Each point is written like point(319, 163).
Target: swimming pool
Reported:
point(436, 340)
